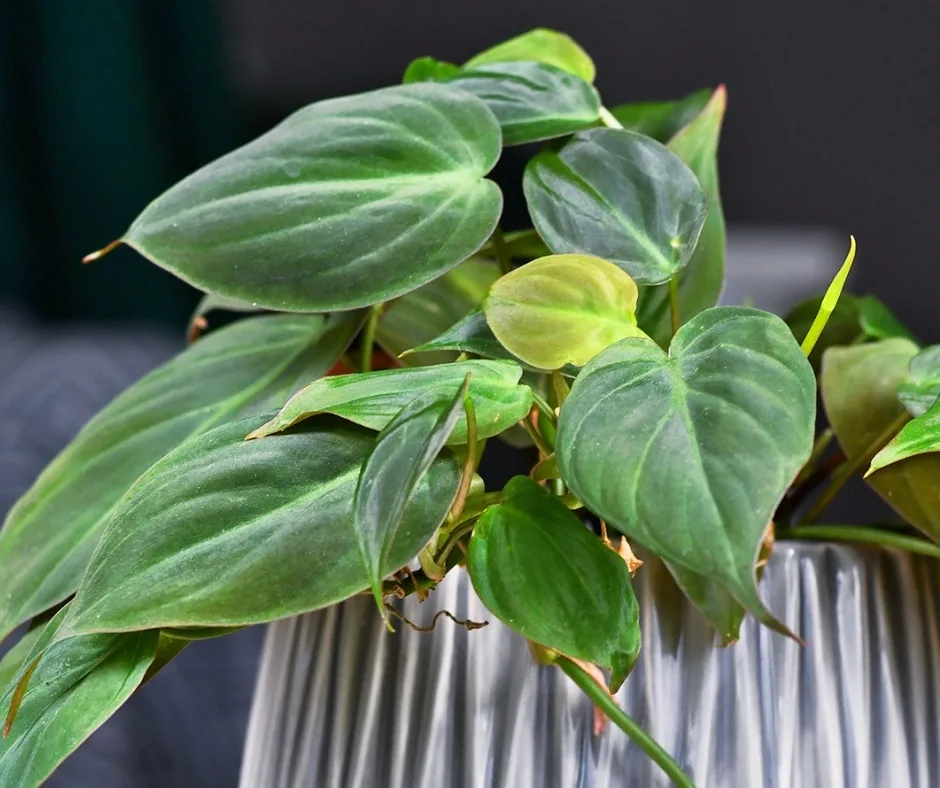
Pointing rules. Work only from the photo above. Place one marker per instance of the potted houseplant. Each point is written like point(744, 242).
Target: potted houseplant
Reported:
point(281, 465)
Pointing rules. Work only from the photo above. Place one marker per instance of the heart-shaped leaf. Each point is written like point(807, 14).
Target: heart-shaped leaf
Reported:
point(428, 69)
point(620, 196)
point(532, 101)
point(543, 46)
point(403, 454)
point(538, 569)
point(373, 399)
point(562, 309)
point(346, 203)
point(661, 120)
point(249, 367)
point(277, 514)
point(920, 436)
point(702, 280)
point(76, 686)
point(689, 453)
point(920, 392)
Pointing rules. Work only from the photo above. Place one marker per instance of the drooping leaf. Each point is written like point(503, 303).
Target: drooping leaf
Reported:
point(662, 120)
point(249, 367)
point(920, 392)
point(620, 196)
point(240, 532)
point(539, 570)
point(689, 453)
point(532, 101)
point(859, 391)
point(562, 309)
point(718, 605)
point(76, 686)
point(428, 69)
point(878, 322)
point(702, 280)
point(346, 203)
point(543, 46)
point(920, 436)
point(403, 454)
point(373, 399)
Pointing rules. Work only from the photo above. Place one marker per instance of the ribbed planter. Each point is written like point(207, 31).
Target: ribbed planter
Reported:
point(341, 703)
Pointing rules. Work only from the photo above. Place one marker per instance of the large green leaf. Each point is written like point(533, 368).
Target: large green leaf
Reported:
point(544, 46)
point(920, 392)
point(538, 569)
point(77, 685)
point(532, 101)
point(227, 532)
point(373, 399)
point(346, 203)
point(661, 120)
point(248, 367)
point(920, 436)
point(702, 280)
point(562, 309)
point(620, 196)
point(689, 453)
point(859, 391)
point(403, 454)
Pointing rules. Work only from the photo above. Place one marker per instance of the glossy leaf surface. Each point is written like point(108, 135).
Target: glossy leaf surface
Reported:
point(254, 365)
point(543, 46)
point(538, 569)
point(689, 454)
point(275, 514)
point(562, 309)
point(373, 399)
point(662, 120)
point(346, 203)
point(620, 196)
point(921, 390)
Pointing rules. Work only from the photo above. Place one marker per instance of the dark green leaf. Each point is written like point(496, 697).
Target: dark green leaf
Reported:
point(470, 335)
point(526, 244)
point(920, 392)
point(718, 605)
point(78, 684)
point(878, 321)
point(920, 436)
point(373, 399)
point(538, 569)
point(544, 46)
point(662, 120)
point(428, 69)
point(689, 454)
point(701, 281)
point(620, 196)
point(532, 101)
point(248, 367)
point(228, 532)
point(348, 202)
point(403, 454)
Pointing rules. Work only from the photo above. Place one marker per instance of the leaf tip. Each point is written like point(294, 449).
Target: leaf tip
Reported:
point(90, 258)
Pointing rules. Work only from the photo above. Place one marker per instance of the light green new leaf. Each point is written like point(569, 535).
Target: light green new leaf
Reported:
point(532, 101)
point(428, 69)
point(373, 399)
point(859, 391)
point(346, 203)
point(562, 309)
point(227, 532)
point(403, 453)
point(77, 685)
point(662, 120)
point(920, 436)
point(251, 366)
point(920, 392)
point(539, 570)
point(689, 453)
point(620, 196)
point(702, 280)
point(543, 46)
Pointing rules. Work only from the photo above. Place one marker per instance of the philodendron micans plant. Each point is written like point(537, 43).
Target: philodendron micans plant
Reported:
point(275, 467)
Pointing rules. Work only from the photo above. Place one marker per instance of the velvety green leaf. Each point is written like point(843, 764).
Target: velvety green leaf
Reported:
point(428, 69)
point(544, 46)
point(920, 436)
point(702, 280)
point(538, 569)
point(689, 453)
point(348, 202)
point(842, 329)
point(78, 684)
point(429, 311)
point(248, 367)
point(717, 604)
point(662, 120)
point(402, 456)
point(620, 196)
point(878, 322)
point(562, 309)
point(373, 399)
point(228, 532)
point(919, 393)
point(859, 391)
point(532, 101)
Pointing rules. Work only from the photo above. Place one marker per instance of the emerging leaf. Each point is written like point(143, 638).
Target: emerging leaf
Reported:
point(428, 69)
point(543, 46)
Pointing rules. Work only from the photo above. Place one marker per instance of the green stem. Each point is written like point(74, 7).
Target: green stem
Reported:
point(608, 119)
point(544, 407)
point(368, 338)
point(603, 701)
point(502, 252)
point(537, 439)
point(560, 387)
point(471, 465)
point(674, 304)
point(849, 533)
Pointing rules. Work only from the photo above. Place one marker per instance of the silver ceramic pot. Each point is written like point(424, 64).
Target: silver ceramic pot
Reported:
point(341, 703)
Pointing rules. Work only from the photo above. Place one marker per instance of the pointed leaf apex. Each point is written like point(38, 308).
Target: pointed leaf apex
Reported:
point(90, 258)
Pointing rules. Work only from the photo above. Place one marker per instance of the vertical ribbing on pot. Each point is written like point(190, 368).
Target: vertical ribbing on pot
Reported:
point(341, 703)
